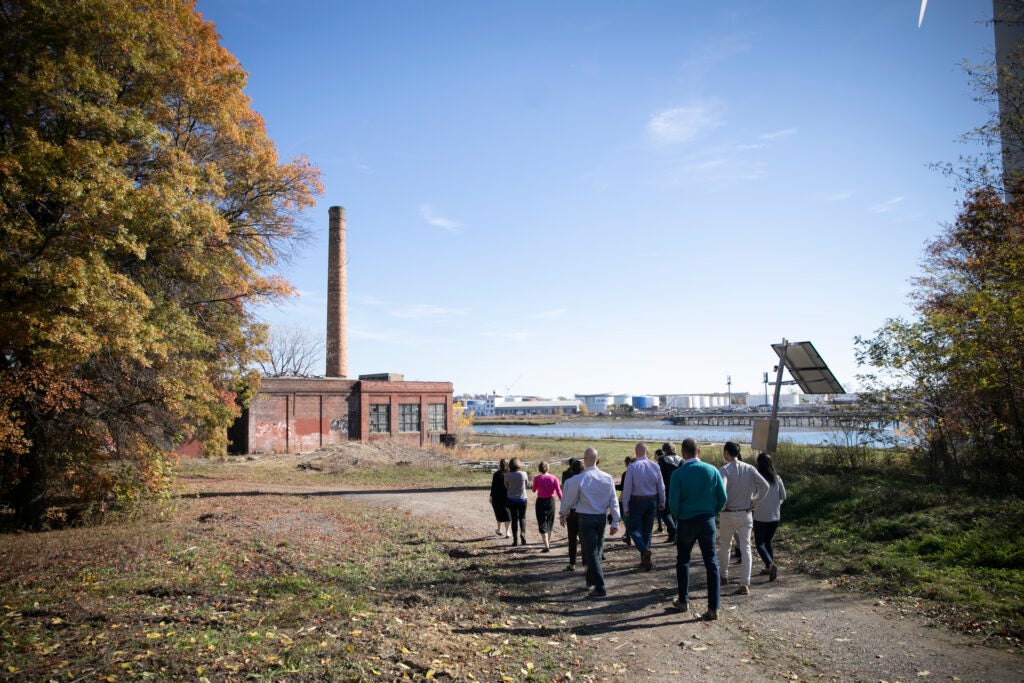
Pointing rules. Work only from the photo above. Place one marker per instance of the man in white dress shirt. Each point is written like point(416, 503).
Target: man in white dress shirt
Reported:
point(592, 495)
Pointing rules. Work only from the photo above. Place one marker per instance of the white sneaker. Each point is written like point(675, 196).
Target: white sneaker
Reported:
point(508, 534)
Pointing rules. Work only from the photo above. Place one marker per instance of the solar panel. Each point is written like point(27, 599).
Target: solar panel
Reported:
point(808, 369)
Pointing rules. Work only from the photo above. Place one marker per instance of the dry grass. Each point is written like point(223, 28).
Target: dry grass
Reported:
point(255, 578)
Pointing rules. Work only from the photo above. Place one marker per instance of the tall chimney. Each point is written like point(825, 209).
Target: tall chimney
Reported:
point(337, 342)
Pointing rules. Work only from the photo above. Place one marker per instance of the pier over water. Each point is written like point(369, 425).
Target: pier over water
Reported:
point(809, 419)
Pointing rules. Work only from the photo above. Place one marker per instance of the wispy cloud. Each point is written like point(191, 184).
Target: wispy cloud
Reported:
point(520, 335)
point(683, 124)
point(886, 206)
point(550, 314)
point(708, 55)
point(428, 214)
point(425, 311)
point(359, 164)
point(778, 134)
point(376, 335)
point(716, 170)
point(837, 197)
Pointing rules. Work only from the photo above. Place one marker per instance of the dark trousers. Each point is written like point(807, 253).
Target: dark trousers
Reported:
point(517, 510)
point(572, 525)
point(699, 530)
point(764, 532)
point(641, 521)
point(592, 540)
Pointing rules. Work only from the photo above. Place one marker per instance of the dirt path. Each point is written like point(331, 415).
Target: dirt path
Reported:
point(793, 629)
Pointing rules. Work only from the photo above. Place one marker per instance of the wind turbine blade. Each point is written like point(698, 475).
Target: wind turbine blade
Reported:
point(920, 18)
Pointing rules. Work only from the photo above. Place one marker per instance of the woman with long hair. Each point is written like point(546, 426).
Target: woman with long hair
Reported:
point(767, 515)
point(516, 483)
point(546, 487)
point(499, 500)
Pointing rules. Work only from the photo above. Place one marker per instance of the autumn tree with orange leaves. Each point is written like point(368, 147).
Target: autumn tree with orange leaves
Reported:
point(955, 370)
point(142, 211)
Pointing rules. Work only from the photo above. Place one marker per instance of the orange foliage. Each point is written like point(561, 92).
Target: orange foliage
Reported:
point(142, 206)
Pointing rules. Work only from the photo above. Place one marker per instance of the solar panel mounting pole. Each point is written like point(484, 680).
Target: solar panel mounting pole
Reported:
point(778, 380)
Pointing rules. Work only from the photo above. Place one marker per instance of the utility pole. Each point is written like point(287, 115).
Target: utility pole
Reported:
point(1008, 24)
point(728, 383)
point(766, 388)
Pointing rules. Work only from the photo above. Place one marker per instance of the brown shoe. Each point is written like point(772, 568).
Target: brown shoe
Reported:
point(722, 580)
point(742, 590)
point(710, 615)
point(645, 560)
point(773, 572)
point(570, 568)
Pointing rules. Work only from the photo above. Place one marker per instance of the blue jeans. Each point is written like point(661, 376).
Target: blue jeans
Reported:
point(641, 521)
point(670, 523)
point(764, 532)
point(592, 540)
point(699, 530)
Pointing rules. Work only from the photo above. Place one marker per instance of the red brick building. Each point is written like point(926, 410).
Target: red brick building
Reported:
point(297, 414)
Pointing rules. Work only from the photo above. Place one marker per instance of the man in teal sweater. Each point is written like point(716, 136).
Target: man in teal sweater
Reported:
point(696, 495)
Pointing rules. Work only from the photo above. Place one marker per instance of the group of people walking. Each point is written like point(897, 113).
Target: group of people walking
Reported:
point(683, 493)
point(508, 499)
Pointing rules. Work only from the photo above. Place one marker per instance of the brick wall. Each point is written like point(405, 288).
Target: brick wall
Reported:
point(294, 415)
point(395, 394)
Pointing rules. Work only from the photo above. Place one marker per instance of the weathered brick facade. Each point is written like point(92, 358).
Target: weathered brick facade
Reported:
point(294, 415)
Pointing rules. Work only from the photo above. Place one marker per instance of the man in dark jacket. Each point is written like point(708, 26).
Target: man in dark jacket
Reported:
point(668, 461)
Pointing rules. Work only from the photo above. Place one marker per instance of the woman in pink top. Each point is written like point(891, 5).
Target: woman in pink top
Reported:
point(546, 487)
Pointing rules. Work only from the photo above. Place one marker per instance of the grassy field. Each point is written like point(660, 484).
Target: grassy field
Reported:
point(233, 584)
point(228, 586)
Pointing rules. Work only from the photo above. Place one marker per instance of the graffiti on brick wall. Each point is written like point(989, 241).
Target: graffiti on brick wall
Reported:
point(265, 429)
point(340, 426)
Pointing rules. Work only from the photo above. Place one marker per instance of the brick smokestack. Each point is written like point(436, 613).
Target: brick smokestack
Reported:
point(337, 307)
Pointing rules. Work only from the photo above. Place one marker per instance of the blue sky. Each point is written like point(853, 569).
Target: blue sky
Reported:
point(636, 197)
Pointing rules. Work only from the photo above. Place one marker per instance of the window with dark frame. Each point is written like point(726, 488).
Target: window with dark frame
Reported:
point(380, 418)
point(409, 417)
point(437, 417)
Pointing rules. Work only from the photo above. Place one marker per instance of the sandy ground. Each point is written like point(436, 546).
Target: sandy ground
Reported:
point(796, 628)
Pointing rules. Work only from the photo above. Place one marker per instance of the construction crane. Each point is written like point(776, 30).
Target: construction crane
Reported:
point(516, 381)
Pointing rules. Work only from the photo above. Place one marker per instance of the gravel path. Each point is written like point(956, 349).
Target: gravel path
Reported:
point(796, 628)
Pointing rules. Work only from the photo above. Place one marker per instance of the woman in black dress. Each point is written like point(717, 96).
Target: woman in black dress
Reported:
point(499, 500)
